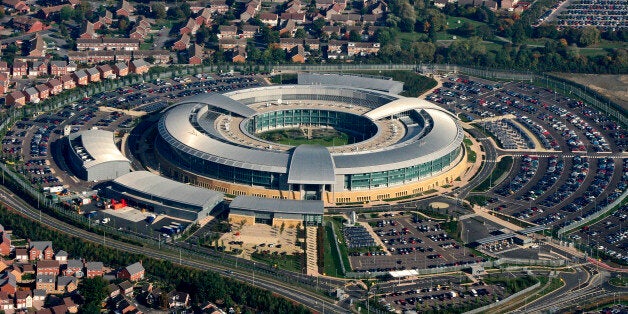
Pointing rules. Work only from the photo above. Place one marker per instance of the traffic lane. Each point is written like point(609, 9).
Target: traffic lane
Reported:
point(311, 300)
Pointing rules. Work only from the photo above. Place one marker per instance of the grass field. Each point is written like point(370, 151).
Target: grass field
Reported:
point(414, 84)
point(471, 155)
point(288, 262)
point(332, 260)
point(295, 137)
point(500, 168)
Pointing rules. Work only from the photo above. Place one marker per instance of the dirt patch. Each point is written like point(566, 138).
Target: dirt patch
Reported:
point(439, 205)
point(615, 87)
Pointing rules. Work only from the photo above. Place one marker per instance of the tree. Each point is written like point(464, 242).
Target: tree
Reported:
point(93, 290)
point(66, 13)
point(159, 10)
point(300, 33)
point(354, 36)
point(175, 13)
point(589, 36)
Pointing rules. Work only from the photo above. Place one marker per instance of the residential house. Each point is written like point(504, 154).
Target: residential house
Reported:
point(190, 27)
point(58, 68)
point(298, 18)
point(331, 29)
point(182, 43)
point(227, 31)
point(59, 309)
point(160, 56)
point(66, 284)
point(20, 68)
point(23, 299)
point(90, 57)
point(249, 31)
point(28, 24)
point(230, 43)
point(94, 269)
point(61, 256)
point(17, 98)
point(324, 4)
point(133, 272)
point(196, 54)
point(43, 90)
point(48, 267)
point(73, 307)
point(139, 66)
point(126, 288)
point(88, 31)
point(74, 268)
point(5, 240)
point(4, 68)
point(93, 75)
point(289, 43)
point(45, 282)
point(39, 295)
point(297, 54)
point(312, 43)
point(127, 44)
point(113, 290)
point(107, 19)
point(289, 28)
point(106, 72)
point(238, 54)
point(56, 87)
point(121, 69)
point(362, 48)
point(18, 5)
point(68, 81)
point(204, 18)
point(40, 250)
point(4, 86)
point(218, 6)
point(126, 9)
point(6, 302)
point(80, 77)
point(8, 282)
point(32, 96)
point(336, 9)
point(178, 299)
point(37, 46)
point(21, 254)
point(268, 18)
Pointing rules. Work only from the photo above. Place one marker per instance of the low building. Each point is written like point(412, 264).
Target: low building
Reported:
point(121, 69)
point(16, 98)
point(164, 196)
point(139, 66)
point(94, 156)
point(133, 272)
point(276, 212)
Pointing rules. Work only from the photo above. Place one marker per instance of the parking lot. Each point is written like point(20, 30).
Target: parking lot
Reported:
point(411, 241)
point(569, 176)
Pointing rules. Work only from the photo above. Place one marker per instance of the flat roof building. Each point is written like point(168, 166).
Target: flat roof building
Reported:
point(94, 156)
point(276, 212)
point(164, 196)
point(379, 83)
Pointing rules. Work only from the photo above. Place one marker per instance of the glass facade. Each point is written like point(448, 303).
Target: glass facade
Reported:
point(313, 117)
point(372, 180)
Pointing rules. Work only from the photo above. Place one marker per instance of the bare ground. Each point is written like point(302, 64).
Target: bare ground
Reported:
point(615, 87)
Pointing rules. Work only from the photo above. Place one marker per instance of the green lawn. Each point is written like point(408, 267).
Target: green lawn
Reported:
point(501, 167)
point(295, 137)
point(288, 262)
point(471, 155)
point(332, 260)
point(456, 22)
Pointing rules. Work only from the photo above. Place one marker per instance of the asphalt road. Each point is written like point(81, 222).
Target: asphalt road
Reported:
point(310, 299)
point(487, 167)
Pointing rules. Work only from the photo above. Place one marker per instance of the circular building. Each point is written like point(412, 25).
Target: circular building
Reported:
point(400, 146)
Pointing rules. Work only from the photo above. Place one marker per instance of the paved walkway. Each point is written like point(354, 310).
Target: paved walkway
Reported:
point(310, 251)
point(484, 212)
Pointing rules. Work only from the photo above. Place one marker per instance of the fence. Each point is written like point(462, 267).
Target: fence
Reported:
point(504, 301)
point(597, 214)
point(488, 264)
